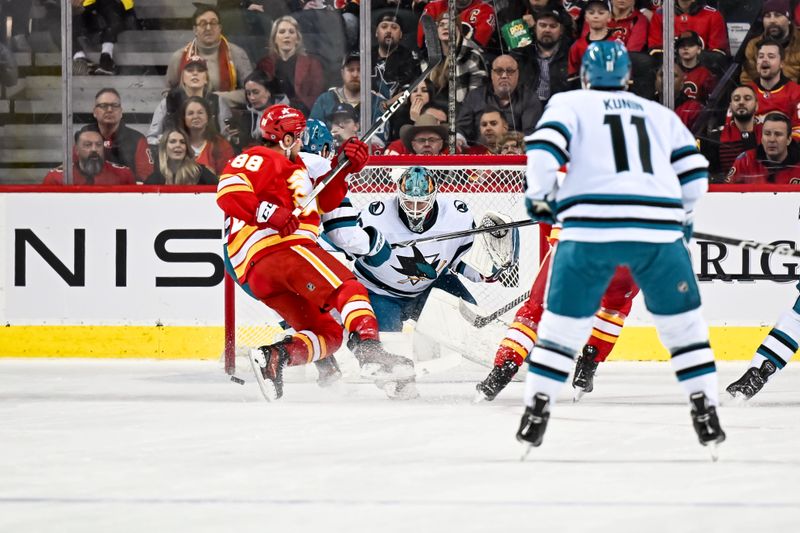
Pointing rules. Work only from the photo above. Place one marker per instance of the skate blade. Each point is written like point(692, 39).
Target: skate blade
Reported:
point(267, 389)
point(738, 399)
point(479, 398)
point(376, 373)
point(579, 393)
point(713, 449)
point(396, 391)
point(525, 451)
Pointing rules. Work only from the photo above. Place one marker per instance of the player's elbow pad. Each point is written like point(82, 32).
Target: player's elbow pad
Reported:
point(379, 250)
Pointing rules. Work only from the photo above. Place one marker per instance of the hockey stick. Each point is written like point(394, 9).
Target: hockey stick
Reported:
point(480, 321)
point(780, 249)
point(464, 233)
point(434, 58)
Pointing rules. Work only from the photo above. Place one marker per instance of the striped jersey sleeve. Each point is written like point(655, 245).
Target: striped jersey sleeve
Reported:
point(689, 164)
point(548, 147)
point(343, 231)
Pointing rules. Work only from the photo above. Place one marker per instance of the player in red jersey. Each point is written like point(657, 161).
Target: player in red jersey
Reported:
point(275, 253)
point(478, 15)
point(691, 15)
point(521, 334)
point(89, 166)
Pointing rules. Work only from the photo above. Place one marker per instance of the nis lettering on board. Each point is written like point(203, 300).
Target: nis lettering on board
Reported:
point(27, 242)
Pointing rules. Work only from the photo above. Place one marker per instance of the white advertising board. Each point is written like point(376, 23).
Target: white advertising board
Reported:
point(147, 259)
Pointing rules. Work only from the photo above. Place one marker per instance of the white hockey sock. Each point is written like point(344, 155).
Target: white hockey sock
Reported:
point(781, 342)
point(80, 54)
point(107, 48)
point(552, 359)
point(686, 337)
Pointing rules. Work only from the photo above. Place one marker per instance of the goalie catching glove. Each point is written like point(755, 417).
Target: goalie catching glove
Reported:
point(493, 252)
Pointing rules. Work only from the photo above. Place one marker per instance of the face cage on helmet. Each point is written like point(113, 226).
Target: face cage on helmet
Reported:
point(416, 208)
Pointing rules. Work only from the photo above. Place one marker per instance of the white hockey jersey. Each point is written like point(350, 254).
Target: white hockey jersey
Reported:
point(634, 169)
point(410, 270)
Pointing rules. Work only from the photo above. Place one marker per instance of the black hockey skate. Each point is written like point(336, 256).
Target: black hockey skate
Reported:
point(498, 378)
point(706, 423)
point(392, 373)
point(585, 368)
point(329, 372)
point(752, 381)
point(268, 362)
point(534, 423)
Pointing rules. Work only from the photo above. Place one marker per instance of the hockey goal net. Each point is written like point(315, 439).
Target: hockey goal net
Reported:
point(484, 183)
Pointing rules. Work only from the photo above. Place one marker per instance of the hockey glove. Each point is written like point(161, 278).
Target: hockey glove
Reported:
point(379, 250)
point(357, 153)
point(688, 226)
point(540, 211)
point(278, 218)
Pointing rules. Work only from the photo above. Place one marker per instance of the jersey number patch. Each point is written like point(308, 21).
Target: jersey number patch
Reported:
point(620, 146)
point(247, 161)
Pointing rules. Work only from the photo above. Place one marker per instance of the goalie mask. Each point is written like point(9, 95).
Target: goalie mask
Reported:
point(416, 192)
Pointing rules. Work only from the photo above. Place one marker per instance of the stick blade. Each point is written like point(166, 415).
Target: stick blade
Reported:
point(432, 42)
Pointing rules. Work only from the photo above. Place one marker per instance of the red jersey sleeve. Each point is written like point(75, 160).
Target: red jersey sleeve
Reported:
point(717, 32)
point(638, 34)
point(236, 191)
point(144, 162)
point(655, 38)
point(481, 19)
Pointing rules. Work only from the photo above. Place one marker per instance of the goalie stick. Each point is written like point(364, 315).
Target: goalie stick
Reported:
point(464, 233)
point(479, 321)
point(434, 58)
point(780, 249)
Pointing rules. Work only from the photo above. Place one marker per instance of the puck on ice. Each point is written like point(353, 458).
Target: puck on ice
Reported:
point(240, 381)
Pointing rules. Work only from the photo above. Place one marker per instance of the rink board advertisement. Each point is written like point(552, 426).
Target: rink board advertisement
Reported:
point(140, 274)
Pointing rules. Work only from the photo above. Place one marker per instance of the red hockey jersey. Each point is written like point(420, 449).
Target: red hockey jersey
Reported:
point(706, 21)
point(698, 83)
point(631, 31)
point(577, 50)
point(111, 174)
point(479, 15)
point(752, 166)
point(262, 175)
point(783, 98)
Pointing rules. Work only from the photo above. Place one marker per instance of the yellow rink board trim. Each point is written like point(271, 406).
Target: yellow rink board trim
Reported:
point(206, 342)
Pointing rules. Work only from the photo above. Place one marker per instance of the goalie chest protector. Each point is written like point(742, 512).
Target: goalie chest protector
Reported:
point(412, 269)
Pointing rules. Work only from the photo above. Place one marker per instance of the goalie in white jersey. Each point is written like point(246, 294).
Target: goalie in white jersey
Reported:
point(633, 178)
point(400, 279)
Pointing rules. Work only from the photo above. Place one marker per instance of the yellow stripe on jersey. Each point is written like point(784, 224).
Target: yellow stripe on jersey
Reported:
point(514, 345)
point(233, 188)
point(308, 343)
point(356, 314)
point(524, 329)
point(319, 266)
point(241, 237)
point(260, 245)
point(358, 298)
point(604, 336)
point(614, 319)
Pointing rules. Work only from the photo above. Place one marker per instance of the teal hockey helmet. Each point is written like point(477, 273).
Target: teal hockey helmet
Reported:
point(605, 65)
point(416, 191)
point(317, 139)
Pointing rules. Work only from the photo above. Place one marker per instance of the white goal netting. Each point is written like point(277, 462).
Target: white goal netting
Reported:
point(484, 183)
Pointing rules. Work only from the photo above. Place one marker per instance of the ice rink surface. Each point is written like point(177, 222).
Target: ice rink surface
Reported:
point(152, 446)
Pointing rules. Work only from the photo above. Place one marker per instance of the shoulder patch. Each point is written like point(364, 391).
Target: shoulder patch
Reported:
point(460, 206)
point(376, 208)
point(117, 165)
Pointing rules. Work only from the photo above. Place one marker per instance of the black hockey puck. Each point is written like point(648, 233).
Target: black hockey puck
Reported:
point(240, 381)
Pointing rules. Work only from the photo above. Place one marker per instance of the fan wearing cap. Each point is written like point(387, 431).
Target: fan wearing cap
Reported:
point(274, 254)
point(696, 16)
point(597, 15)
point(777, 27)
point(630, 25)
point(698, 81)
point(393, 65)
point(348, 93)
point(194, 82)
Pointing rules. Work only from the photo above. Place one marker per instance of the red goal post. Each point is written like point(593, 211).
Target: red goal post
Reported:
point(483, 182)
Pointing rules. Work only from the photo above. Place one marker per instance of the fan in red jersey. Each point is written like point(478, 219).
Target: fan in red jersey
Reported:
point(691, 15)
point(776, 92)
point(478, 15)
point(89, 166)
point(274, 254)
point(776, 160)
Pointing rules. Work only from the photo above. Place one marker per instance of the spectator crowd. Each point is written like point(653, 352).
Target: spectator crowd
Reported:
point(744, 107)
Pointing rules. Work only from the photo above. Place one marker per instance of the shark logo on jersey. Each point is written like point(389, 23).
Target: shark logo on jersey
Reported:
point(418, 267)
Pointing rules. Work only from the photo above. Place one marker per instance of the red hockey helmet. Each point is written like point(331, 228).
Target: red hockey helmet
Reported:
point(278, 120)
